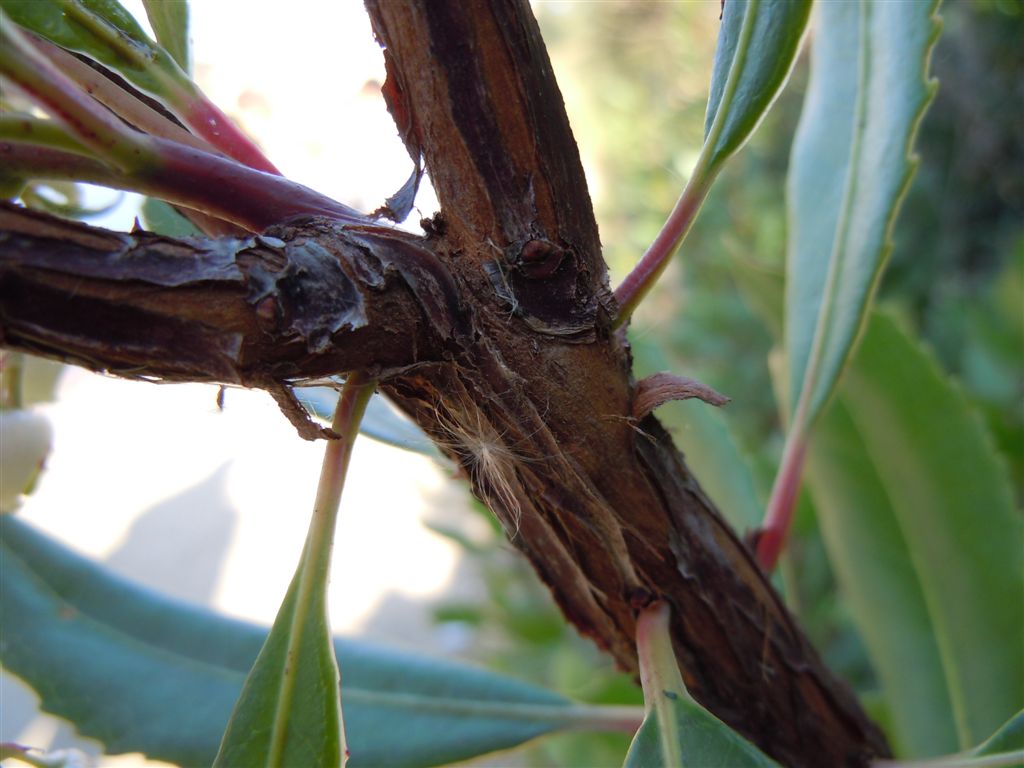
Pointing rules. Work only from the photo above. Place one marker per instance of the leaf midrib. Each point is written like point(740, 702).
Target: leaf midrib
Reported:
point(916, 566)
point(806, 408)
point(553, 713)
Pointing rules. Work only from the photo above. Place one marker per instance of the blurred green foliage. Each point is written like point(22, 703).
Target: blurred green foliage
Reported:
point(635, 78)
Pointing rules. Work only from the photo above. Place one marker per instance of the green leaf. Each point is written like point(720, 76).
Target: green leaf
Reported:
point(916, 511)
point(757, 47)
point(1009, 738)
point(106, 32)
point(162, 218)
point(289, 711)
point(850, 167)
point(143, 673)
point(678, 732)
point(169, 19)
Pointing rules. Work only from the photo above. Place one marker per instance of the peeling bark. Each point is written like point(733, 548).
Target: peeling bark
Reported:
point(493, 333)
point(294, 304)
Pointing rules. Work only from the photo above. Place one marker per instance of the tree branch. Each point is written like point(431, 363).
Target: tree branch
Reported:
point(299, 302)
point(494, 334)
point(538, 405)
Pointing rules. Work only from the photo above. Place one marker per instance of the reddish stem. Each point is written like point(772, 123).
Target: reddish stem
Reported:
point(188, 177)
point(639, 282)
point(232, 191)
point(205, 119)
point(208, 121)
point(779, 515)
point(92, 125)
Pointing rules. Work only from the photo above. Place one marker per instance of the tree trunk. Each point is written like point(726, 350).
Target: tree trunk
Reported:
point(493, 332)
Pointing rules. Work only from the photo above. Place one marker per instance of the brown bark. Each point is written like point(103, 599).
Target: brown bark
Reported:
point(493, 333)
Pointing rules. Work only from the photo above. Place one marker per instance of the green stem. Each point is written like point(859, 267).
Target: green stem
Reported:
point(314, 568)
point(660, 678)
point(41, 132)
point(91, 124)
point(11, 364)
point(586, 717)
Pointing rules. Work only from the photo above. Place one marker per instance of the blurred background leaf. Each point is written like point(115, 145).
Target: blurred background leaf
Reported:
point(144, 673)
point(917, 514)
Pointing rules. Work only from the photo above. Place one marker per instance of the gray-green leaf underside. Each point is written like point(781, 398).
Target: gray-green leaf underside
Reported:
point(850, 166)
point(143, 673)
point(757, 46)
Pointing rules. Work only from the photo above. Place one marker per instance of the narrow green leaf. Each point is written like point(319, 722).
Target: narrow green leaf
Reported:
point(850, 167)
point(169, 19)
point(677, 732)
point(757, 47)
point(1009, 738)
point(106, 32)
point(142, 673)
point(289, 712)
point(917, 514)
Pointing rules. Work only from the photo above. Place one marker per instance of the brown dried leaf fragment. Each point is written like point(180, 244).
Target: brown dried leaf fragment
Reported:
point(297, 414)
point(662, 387)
